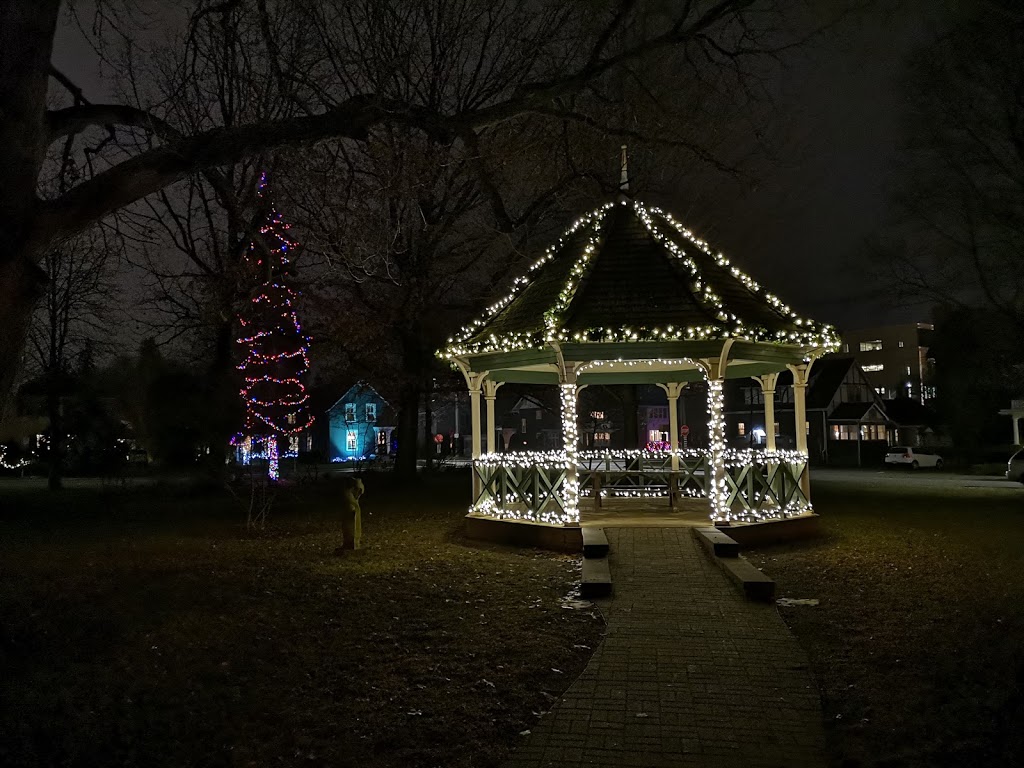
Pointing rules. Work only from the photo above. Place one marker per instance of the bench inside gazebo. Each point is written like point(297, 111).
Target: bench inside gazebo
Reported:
point(628, 296)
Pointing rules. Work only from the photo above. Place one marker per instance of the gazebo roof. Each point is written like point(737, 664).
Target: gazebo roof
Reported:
point(629, 273)
point(628, 286)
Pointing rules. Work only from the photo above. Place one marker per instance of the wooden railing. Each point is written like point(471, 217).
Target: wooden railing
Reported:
point(530, 486)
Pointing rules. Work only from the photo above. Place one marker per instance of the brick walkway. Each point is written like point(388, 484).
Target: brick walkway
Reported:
point(689, 673)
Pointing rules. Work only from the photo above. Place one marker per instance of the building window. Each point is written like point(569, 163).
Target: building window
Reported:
point(901, 345)
point(293, 444)
point(309, 442)
point(371, 411)
point(908, 370)
point(350, 411)
point(807, 427)
point(350, 440)
point(291, 418)
point(538, 414)
point(775, 427)
point(846, 347)
point(741, 429)
point(602, 438)
point(873, 367)
point(882, 391)
point(597, 415)
point(523, 426)
point(871, 346)
point(657, 436)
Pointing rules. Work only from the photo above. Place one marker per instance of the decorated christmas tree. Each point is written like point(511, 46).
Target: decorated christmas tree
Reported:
point(276, 356)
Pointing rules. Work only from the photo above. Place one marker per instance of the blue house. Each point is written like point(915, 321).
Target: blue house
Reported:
point(361, 425)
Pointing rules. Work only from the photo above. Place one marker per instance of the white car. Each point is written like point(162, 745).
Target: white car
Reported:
point(1015, 467)
point(912, 457)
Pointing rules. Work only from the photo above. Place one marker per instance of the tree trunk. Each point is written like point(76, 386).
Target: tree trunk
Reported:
point(630, 418)
point(21, 285)
point(26, 42)
point(224, 398)
point(55, 454)
point(428, 427)
point(408, 419)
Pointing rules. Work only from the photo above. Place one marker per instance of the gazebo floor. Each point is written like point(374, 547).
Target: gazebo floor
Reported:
point(654, 513)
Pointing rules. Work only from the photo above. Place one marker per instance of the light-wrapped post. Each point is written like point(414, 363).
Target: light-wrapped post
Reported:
point(570, 434)
point(718, 492)
point(490, 393)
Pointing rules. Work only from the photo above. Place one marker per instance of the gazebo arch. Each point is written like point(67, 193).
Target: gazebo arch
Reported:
point(629, 295)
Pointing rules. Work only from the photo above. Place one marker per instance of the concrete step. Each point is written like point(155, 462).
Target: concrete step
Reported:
point(597, 578)
point(595, 543)
point(718, 543)
point(755, 585)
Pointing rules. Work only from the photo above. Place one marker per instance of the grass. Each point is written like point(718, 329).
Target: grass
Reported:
point(146, 627)
point(918, 641)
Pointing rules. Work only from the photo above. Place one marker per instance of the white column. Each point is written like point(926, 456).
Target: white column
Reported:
point(490, 393)
point(672, 391)
point(474, 381)
point(720, 511)
point(474, 401)
point(570, 434)
point(767, 383)
point(1016, 429)
point(801, 375)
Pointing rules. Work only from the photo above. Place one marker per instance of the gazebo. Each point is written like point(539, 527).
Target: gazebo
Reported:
point(629, 295)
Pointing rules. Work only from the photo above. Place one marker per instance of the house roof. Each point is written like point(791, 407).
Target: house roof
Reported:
point(359, 389)
point(826, 376)
point(868, 413)
point(629, 273)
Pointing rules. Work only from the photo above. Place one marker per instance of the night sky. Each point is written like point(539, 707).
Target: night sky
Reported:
point(801, 229)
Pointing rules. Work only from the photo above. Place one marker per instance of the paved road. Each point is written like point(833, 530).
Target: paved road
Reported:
point(923, 480)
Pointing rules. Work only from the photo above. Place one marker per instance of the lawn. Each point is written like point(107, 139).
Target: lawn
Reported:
point(147, 627)
point(918, 641)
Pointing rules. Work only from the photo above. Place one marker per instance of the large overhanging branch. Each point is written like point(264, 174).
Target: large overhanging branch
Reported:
point(156, 168)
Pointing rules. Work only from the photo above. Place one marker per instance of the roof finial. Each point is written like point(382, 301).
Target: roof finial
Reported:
point(623, 174)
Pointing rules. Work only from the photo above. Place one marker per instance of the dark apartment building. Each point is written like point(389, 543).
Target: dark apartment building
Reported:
point(895, 359)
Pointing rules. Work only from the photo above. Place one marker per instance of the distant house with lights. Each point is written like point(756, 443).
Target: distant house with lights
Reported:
point(847, 423)
point(361, 425)
point(896, 359)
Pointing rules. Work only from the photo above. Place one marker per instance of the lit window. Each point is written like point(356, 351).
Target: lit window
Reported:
point(846, 347)
point(871, 346)
point(873, 367)
point(775, 428)
point(371, 411)
point(901, 345)
point(908, 370)
point(882, 391)
point(741, 429)
point(807, 427)
point(293, 444)
point(309, 442)
point(291, 418)
point(523, 425)
point(597, 415)
point(654, 436)
point(350, 411)
point(602, 438)
point(350, 440)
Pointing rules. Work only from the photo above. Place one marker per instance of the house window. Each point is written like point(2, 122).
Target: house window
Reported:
point(775, 427)
point(908, 370)
point(293, 444)
point(873, 367)
point(846, 347)
point(523, 425)
point(901, 345)
point(597, 415)
point(538, 414)
point(371, 411)
point(602, 438)
point(350, 411)
point(309, 442)
point(350, 440)
point(807, 427)
point(871, 346)
point(741, 429)
point(291, 418)
point(656, 436)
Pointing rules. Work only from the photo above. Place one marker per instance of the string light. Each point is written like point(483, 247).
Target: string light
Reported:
point(277, 350)
point(665, 230)
point(5, 464)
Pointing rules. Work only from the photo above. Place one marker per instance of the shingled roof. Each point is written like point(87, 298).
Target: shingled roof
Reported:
point(626, 272)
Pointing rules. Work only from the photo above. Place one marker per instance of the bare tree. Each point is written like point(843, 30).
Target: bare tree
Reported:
point(71, 320)
point(958, 234)
point(339, 91)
